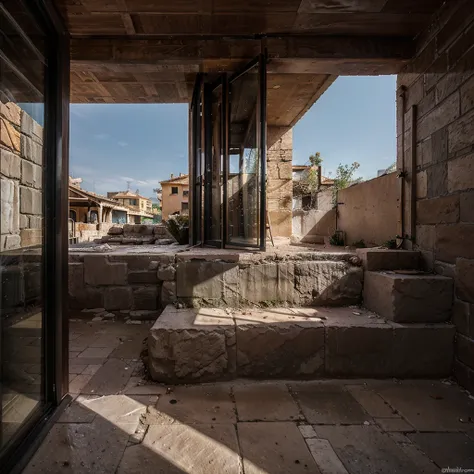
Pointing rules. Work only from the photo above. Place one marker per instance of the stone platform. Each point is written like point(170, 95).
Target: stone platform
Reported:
point(209, 344)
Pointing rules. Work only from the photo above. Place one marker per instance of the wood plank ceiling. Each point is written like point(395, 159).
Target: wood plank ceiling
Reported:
point(149, 51)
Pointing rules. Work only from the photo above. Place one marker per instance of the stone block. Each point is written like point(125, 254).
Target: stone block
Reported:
point(431, 358)
point(461, 317)
point(31, 150)
point(327, 283)
point(10, 217)
point(31, 201)
point(465, 279)
point(267, 283)
point(145, 298)
point(425, 237)
point(461, 173)
point(138, 229)
point(437, 180)
point(409, 298)
point(142, 277)
point(88, 298)
point(118, 298)
point(166, 272)
point(31, 174)
point(75, 278)
point(374, 259)
point(24, 221)
point(11, 112)
point(439, 145)
point(453, 241)
point(139, 262)
point(168, 293)
point(26, 124)
point(359, 351)
point(99, 271)
point(465, 350)
point(442, 210)
point(11, 242)
point(31, 237)
point(192, 345)
point(278, 343)
point(421, 184)
point(466, 207)
point(33, 283)
point(208, 280)
point(9, 136)
point(10, 164)
point(115, 230)
point(461, 132)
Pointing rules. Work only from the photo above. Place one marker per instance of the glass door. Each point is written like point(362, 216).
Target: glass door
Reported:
point(31, 260)
point(246, 161)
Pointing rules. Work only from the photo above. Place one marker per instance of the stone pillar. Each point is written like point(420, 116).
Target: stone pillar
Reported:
point(280, 180)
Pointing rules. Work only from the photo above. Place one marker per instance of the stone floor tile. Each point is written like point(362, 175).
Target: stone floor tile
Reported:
point(453, 450)
point(88, 361)
point(75, 412)
point(99, 352)
point(366, 450)
point(180, 449)
point(78, 383)
point(129, 348)
point(328, 404)
point(73, 354)
point(106, 341)
point(120, 410)
point(91, 369)
point(110, 379)
point(430, 406)
point(137, 386)
point(394, 424)
point(265, 402)
point(82, 448)
point(307, 431)
point(77, 368)
point(325, 457)
point(371, 401)
point(198, 404)
point(274, 448)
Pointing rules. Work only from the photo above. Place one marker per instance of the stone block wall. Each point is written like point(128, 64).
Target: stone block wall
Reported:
point(280, 180)
point(21, 175)
point(120, 281)
point(440, 82)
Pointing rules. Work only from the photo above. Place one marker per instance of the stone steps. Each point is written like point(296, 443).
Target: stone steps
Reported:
point(313, 239)
point(209, 344)
point(374, 259)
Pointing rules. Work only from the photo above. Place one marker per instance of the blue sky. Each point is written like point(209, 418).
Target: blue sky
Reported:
point(112, 144)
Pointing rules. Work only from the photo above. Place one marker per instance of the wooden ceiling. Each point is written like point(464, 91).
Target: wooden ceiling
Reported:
point(149, 51)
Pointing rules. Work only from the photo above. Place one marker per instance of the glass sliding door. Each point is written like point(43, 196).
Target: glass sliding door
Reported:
point(29, 154)
point(246, 158)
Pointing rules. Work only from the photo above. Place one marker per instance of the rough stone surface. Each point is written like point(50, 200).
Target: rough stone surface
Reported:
point(385, 259)
point(409, 298)
point(99, 271)
point(168, 293)
point(117, 298)
point(191, 345)
point(465, 279)
point(166, 272)
point(145, 298)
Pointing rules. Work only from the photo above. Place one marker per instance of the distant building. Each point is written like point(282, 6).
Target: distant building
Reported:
point(139, 207)
point(175, 196)
point(301, 191)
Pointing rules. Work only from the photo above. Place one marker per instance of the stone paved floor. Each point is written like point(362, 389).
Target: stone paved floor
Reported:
point(119, 423)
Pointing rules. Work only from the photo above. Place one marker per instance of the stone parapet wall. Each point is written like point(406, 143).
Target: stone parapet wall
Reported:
point(21, 175)
point(440, 83)
point(138, 234)
point(124, 281)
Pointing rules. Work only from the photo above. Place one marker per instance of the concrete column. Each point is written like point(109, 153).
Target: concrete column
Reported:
point(280, 180)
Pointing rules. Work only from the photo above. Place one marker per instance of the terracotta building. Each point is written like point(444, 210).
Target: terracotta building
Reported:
point(175, 195)
point(139, 207)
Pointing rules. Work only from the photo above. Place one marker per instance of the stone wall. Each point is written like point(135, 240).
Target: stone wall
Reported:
point(440, 83)
point(280, 180)
point(122, 281)
point(21, 158)
point(370, 211)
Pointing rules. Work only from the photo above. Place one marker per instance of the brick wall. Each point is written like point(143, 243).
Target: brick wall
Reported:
point(440, 82)
point(280, 180)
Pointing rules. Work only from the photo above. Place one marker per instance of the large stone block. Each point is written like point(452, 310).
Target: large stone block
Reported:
point(31, 237)
point(441, 210)
point(146, 298)
point(141, 262)
point(99, 271)
point(9, 136)
point(374, 259)
point(118, 298)
point(208, 280)
point(327, 283)
point(11, 112)
point(138, 229)
point(409, 298)
point(31, 201)
point(88, 298)
point(75, 278)
point(192, 345)
point(168, 293)
point(461, 132)
point(12, 241)
point(461, 173)
point(31, 174)
point(10, 217)
point(31, 150)
point(141, 277)
point(453, 241)
point(279, 343)
point(10, 164)
point(467, 207)
point(267, 283)
point(166, 272)
point(465, 280)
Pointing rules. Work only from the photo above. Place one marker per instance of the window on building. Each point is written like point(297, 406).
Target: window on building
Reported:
point(184, 206)
point(186, 192)
point(174, 190)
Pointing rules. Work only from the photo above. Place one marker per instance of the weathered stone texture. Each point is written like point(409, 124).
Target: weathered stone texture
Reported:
point(99, 271)
point(374, 259)
point(30, 201)
point(10, 164)
point(117, 298)
point(453, 241)
point(461, 173)
point(443, 210)
point(166, 272)
point(465, 279)
point(409, 298)
point(168, 292)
